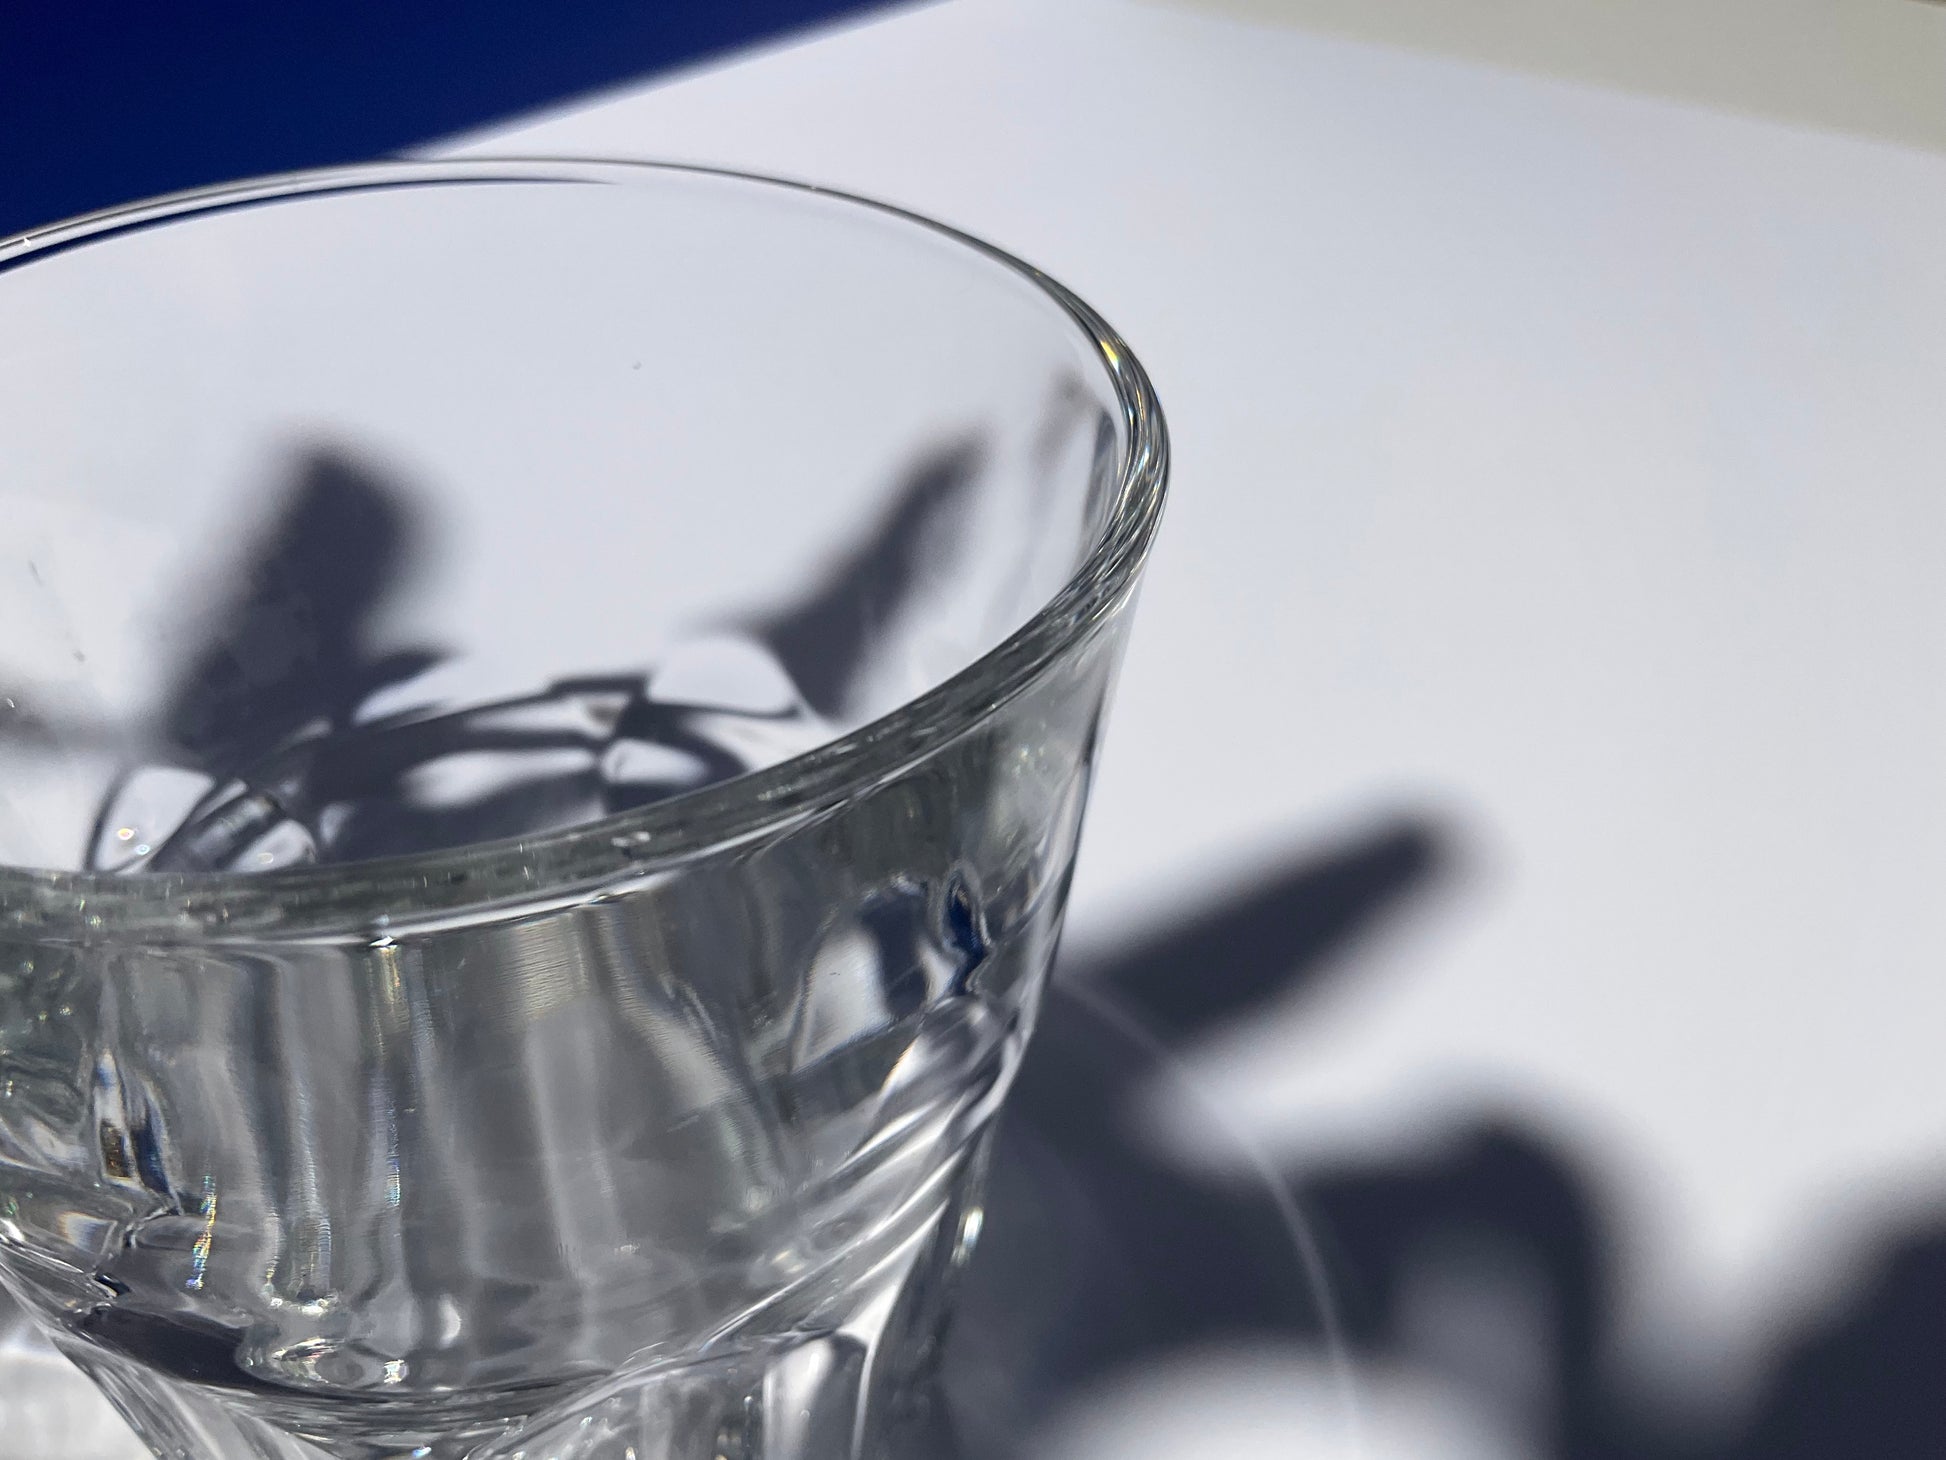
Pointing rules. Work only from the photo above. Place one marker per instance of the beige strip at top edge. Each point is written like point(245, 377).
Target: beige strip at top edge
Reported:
point(1874, 67)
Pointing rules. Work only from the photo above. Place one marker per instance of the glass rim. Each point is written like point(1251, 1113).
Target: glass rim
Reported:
point(581, 862)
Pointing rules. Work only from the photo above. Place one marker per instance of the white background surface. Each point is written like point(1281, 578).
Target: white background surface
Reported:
point(1564, 465)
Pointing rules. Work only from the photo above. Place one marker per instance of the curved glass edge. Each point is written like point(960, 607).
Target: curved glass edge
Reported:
point(571, 864)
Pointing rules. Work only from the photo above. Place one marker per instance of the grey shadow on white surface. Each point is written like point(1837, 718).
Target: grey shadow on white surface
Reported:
point(1485, 1264)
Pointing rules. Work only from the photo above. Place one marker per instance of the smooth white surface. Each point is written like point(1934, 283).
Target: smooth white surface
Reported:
point(1565, 462)
point(1270, 1402)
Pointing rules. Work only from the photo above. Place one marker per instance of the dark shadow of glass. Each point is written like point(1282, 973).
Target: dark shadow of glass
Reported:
point(290, 640)
point(282, 651)
point(1099, 1256)
point(1098, 1252)
point(822, 636)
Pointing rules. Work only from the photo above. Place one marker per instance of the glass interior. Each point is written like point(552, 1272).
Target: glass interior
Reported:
point(387, 512)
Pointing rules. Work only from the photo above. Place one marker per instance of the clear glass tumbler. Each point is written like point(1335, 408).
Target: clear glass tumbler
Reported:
point(545, 710)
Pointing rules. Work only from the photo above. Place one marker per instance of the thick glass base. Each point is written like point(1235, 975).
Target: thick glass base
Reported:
point(849, 1378)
